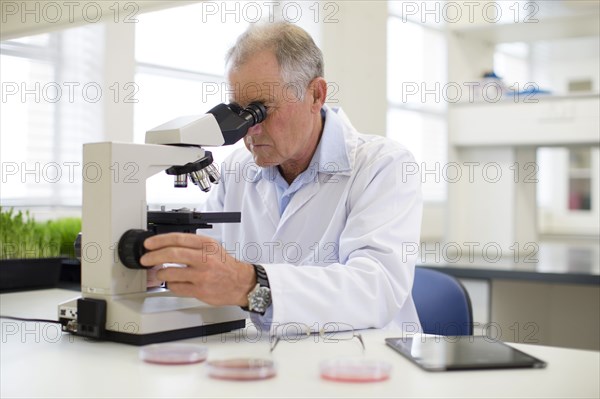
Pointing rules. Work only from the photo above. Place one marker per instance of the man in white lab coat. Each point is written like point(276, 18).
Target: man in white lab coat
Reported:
point(325, 210)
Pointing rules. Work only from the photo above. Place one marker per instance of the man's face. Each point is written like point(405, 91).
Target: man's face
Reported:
point(286, 137)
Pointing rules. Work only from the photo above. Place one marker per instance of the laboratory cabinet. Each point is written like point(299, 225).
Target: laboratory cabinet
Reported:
point(493, 140)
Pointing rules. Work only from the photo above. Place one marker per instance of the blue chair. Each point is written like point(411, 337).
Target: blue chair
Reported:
point(443, 304)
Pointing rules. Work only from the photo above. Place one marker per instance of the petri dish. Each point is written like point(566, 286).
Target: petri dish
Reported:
point(243, 369)
point(173, 354)
point(355, 370)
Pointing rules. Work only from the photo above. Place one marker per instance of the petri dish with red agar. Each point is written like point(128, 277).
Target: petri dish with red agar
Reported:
point(173, 353)
point(355, 370)
point(242, 369)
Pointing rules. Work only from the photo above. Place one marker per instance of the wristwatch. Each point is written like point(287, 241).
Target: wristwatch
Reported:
point(259, 299)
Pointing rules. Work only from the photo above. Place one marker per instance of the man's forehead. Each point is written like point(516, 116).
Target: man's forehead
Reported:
point(247, 92)
point(257, 78)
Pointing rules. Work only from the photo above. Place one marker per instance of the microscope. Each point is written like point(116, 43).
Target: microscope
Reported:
point(115, 303)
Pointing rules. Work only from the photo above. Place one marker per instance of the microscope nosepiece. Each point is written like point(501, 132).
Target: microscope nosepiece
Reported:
point(201, 173)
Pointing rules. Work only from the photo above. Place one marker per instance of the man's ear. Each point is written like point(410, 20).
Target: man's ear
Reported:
point(319, 93)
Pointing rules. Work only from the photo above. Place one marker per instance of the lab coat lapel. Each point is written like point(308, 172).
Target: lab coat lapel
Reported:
point(264, 189)
point(298, 201)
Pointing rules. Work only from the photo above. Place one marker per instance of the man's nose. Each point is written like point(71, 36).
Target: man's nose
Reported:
point(255, 130)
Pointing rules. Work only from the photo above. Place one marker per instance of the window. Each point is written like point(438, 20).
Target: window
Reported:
point(56, 96)
point(180, 56)
point(416, 77)
point(51, 105)
point(511, 64)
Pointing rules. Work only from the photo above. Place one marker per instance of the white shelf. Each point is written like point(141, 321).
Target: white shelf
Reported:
point(562, 120)
point(524, 98)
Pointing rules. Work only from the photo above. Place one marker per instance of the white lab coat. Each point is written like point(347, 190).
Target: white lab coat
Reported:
point(336, 254)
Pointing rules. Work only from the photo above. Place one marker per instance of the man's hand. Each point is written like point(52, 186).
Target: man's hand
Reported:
point(152, 280)
point(211, 275)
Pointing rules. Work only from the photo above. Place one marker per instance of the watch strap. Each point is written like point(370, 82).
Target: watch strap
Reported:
point(261, 276)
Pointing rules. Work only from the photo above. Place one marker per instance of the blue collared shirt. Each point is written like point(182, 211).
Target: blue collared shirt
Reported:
point(329, 157)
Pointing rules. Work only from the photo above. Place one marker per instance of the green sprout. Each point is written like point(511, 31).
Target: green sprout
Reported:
point(23, 237)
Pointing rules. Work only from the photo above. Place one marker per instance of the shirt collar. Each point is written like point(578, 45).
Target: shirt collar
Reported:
point(334, 153)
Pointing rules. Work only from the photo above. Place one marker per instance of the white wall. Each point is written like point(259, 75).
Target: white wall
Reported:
point(555, 64)
point(353, 37)
point(355, 62)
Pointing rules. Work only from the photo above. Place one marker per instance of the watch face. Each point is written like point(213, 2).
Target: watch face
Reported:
point(259, 299)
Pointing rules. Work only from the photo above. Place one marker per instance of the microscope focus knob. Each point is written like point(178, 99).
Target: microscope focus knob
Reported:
point(131, 247)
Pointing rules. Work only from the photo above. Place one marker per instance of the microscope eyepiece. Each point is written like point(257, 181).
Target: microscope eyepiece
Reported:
point(255, 113)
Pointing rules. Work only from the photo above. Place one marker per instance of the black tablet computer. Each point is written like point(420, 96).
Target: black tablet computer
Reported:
point(437, 353)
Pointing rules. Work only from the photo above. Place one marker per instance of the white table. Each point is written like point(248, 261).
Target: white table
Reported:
point(37, 360)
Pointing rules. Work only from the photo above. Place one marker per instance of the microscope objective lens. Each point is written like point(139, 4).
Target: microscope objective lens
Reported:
point(201, 179)
point(181, 180)
point(213, 173)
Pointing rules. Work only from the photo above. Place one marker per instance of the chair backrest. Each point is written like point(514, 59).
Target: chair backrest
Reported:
point(443, 304)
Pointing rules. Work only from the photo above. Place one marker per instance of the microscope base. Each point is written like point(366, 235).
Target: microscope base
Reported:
point(142, 319)
point(173, 335)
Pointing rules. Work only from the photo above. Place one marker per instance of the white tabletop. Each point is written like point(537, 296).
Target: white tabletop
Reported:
point(37, 360)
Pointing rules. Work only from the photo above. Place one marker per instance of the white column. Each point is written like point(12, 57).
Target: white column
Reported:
point(354, 37)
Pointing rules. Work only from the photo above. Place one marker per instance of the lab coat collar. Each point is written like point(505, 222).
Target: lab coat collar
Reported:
point(335, 152)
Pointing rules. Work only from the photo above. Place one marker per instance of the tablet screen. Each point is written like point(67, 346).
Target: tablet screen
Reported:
point(437, 353)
